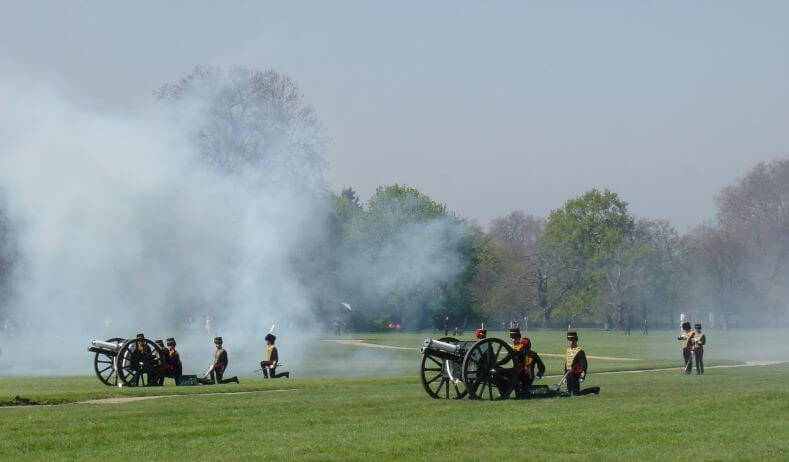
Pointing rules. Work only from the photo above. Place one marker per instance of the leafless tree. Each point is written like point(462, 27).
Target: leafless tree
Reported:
point(244, 119)
point(756, 209)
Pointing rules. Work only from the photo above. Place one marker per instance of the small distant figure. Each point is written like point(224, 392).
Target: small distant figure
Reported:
point(337, 327)
point(269, 365)
point(575, 366)
point(209, 325)
point(699, 339)
point(646, 327)
point(687, 346)
point(446, 326)
point(456, 331)
point(480, 332)
point(217, 370)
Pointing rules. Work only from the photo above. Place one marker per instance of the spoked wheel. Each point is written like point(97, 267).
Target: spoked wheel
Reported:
point(442, 377)
point(139, 364)
point(489, 370)
point(104, 365)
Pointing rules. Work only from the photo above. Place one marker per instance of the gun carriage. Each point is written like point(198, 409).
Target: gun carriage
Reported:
point(131, 363)
point(454, 369)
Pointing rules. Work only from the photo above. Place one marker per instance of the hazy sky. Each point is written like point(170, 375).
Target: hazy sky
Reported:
point(485, 106)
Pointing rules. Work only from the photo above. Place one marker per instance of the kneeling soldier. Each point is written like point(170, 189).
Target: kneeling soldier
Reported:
point(528, 360)
point(221, 361)
point(575, 367)
point(269, 365)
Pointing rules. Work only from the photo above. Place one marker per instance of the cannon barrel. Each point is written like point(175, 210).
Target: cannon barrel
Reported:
point(439, 346)
point(96, 345)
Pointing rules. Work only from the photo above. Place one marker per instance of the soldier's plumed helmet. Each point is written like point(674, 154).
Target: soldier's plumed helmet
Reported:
point(271, 337)
point(218, 340)
point(697, 325)
point(686, 325)
point(171, 341)
point(515, 332)
point(159, 342)
point(140, 335)
point(526, 343)
point(572, 335)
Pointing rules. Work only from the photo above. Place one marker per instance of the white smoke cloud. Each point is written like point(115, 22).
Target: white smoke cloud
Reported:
point(121, 229)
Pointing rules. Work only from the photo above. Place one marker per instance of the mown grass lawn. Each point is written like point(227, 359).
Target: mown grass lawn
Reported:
point(727, 414)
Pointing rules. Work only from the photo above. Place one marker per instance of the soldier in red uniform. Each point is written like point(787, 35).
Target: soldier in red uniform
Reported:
point(173, 367)
point(526, 361)
point(575, 366)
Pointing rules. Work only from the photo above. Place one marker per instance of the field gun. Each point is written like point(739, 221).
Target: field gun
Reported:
point(131, 363)
point(453, 369)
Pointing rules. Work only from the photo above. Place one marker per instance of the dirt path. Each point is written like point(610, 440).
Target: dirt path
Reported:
point(131, 399)
point(362, 343)
point(722, 366)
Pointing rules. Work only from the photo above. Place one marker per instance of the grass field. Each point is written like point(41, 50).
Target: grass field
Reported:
point(727, 414)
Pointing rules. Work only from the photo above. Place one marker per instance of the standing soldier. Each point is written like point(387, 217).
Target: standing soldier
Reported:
point(687, 344)
point(173, 367)
point(221, 361)
point(575, 367)
point(163, 359)
point(698, 348)
point(141, 359)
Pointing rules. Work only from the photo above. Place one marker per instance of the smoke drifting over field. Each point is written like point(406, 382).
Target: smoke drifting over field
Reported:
point(121, 228)
point(144, 223)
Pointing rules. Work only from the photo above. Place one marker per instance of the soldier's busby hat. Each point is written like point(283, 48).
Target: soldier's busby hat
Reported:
point(515, 332)
point(480, 333)
point(525, 342)
point(171, 341)
point(697, 325)
point(218, 340)
point(159, 342)
point(271, 337)
point(140, 335)
point(572, 335)
point(686, 325)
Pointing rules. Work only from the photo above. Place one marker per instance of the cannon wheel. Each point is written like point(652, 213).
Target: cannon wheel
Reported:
point(140, 367)
point(489, 370)
point(441, 378)
point(104, 365)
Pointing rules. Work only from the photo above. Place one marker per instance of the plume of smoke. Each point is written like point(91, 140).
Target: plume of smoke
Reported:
point(121, 229)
